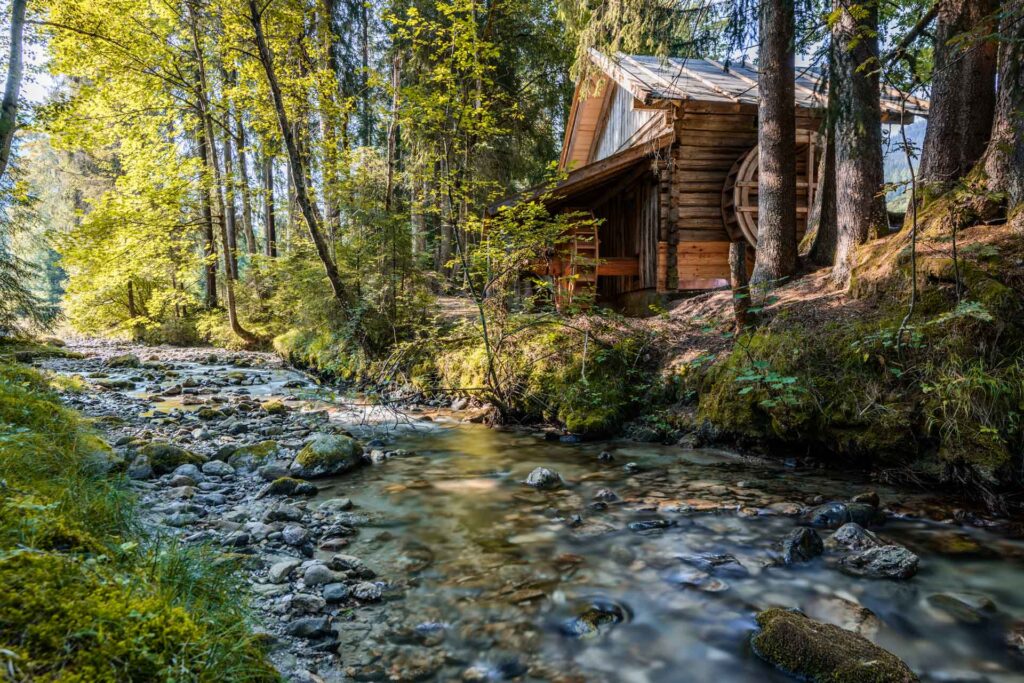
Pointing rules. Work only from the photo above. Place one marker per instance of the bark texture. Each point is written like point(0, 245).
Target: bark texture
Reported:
point(860, 203)
point(1004, 157)
point(298, 174)
point(776, 136)
point(15, 67)
point(209, 239)
point(963, 92)
point(269, 219)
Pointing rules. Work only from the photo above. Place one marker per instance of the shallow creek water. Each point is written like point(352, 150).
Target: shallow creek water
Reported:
point(495, 574)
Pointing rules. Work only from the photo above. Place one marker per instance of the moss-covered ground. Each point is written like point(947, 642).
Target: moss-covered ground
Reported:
point(85, 595)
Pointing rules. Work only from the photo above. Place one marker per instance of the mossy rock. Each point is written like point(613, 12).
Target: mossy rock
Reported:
point(329, 454)
point(254, 455)
point(98, 454)
point(274, 407)
point(115, 384)
point(823, 653)
point(166, 457)
point(290, 486)
point(209, 414)
point(127, 360)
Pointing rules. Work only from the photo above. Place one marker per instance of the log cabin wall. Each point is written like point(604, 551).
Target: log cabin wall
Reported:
point(709, 140)
point(629, 231)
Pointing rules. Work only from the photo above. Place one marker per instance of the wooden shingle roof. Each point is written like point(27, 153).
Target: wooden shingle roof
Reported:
point(653, 79)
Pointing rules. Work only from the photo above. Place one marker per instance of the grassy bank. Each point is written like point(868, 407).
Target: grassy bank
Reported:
point(84, 594)
point(941, 401)
point(588, 375)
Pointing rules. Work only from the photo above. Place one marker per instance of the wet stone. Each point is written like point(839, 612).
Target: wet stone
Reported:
point(279, 571)
point(367, 591)
point(802, 545)
point(883, 562)
point(544, 479)
point(310, 628)
point(853, 536)
point(335, 593)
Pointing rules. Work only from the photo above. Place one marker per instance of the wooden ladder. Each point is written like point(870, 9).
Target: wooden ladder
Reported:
point(579, 277)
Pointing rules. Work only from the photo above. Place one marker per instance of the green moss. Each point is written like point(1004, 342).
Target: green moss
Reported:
point(82, 596)
point(274, 407)
point(254, 455)
point(824, 653)
point(328, 451)
point(166, 457)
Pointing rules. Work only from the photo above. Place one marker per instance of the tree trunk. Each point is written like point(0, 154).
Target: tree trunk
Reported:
point(217, 188)
point(963, 92)
point(822, 221)
point(396, 78)
point(860, 204)
point(740, 284)
point(9, 111)
point(294, 163)
point(243, 172)
point(776, 137)
point(269, 220)
point(418, 219)
point(1004, 157)
point(365, 118)
point(230, 217)
point(209, 240)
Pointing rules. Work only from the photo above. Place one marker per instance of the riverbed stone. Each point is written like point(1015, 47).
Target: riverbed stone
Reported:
point(253, 456)
point(335, 504)
point(279, 571)
point(318, 574)
point(968, 608)
point(367, 591)
point(882, 562)
point(835, 514)
point(802, 545)
point(852, 536)
point(824, 653)
point(295, 534)
point(140, 468)
point(165, 457)
point(310, 628)
point(328, 455)
point(544, 479)
point(216, 468)
point(127, 360)
point(336, 592)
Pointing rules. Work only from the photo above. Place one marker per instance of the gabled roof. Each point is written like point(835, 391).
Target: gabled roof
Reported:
point(653, 79)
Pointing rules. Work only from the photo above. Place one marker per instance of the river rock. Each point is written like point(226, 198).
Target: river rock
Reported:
point(543, 478)
point(606, 496)
point(882, 562)
point(335, 504)
point(802, 545)
point(823, 653)
point(853, 536)
point(294, 534)
point(318, 574)
point(305, 603)
point(328, 455)
point(367, 591)
point(253, 456)
point(844, 614)
point(140, 468)
point(310, 628)
point(283, 513)
point(216, 468)
point(279, 571)
point(288, 486)
point(968, 608)
point(834, 515)
point(274, 407)
point(335, 593)
point(166, 457)
point(127, 360)
point(869, 497)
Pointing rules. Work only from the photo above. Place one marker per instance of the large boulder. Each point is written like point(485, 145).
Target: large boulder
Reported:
point(128, 360)
point(328, 455)
point(882, 562)
point(165, 457)
point(821, 653)
point(254, 456)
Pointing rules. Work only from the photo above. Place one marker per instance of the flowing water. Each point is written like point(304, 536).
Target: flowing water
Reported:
point(513, 582)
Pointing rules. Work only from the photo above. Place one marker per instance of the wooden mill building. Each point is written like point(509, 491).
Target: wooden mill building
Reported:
point(664, 153)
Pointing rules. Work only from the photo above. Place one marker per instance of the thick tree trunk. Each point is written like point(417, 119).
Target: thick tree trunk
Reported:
point(9, 111)
point(1004, 157)
point(269, 219)
point(860, 204)
point(302, 195)
point(963, 92)
point(209, 239)
point(396, 77)
point(776, 137)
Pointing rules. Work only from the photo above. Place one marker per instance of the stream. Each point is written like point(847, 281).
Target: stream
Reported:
point(647, 565)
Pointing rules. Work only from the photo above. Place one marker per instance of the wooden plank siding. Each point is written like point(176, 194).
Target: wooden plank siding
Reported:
point(619, 123)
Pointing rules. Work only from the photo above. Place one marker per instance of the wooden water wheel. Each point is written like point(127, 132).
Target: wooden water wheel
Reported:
point(739, 193)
